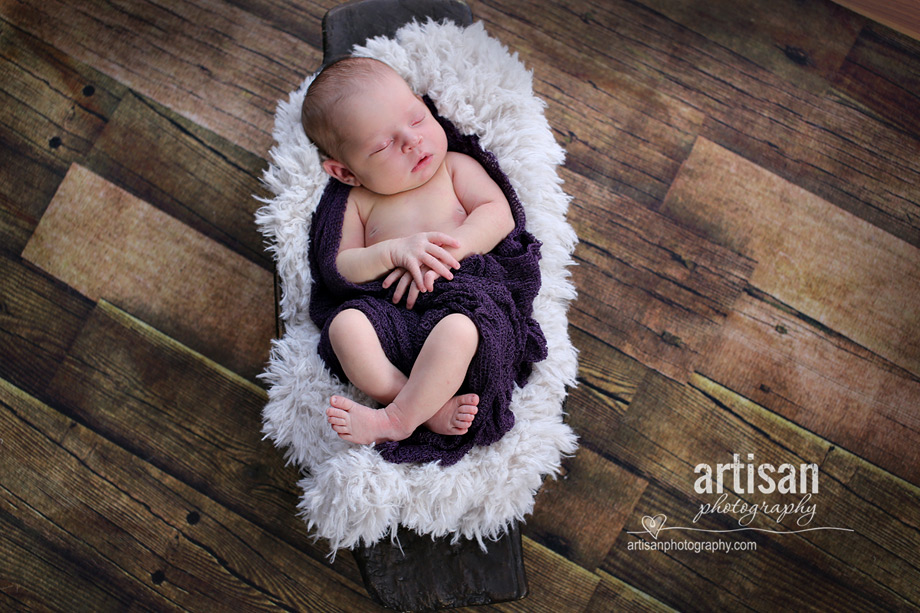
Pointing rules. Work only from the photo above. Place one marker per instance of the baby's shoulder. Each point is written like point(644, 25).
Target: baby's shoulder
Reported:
point(455, 158)
point(360, 202)
point(462, 164)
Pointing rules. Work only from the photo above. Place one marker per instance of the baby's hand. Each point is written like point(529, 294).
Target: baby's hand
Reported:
point(404, 282)
point(424, 249)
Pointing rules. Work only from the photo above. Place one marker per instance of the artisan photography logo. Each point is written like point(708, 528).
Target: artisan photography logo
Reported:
point(753, 497)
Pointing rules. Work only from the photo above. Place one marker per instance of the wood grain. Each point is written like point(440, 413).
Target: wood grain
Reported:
point(882, 510)
point(194, 419)
point(154, 539)
point(134, 477)
point(774, 577)
point(39, 319)
point(831, 266)
point(190, 173)
point(822, 144)
point(207, 60)
point(555, 583)
point(606, 377)
point(804, 43)
point(581, 514)
point(298, 18)
point(615, 595)
point(882, 71)
point(39, 577)
point(109, 245)
point(52, 108)
point(721, 582)
point(618, 132)
point(806, 373)
point(670, 429)
point(649, 287)
point(902, 15)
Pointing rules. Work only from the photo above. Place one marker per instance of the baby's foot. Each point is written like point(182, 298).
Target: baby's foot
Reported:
point(362, 425)
point(455, 416)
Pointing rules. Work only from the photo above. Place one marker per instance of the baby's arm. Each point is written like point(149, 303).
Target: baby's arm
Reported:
point(489, 218)
point(360, 263)
point(488, 221)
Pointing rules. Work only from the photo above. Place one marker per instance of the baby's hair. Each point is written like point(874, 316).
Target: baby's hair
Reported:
point(331, 86)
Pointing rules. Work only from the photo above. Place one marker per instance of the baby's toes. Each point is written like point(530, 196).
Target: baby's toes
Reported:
point(340, 429)
point(462, 423)
point(341, 403)
point(468, 400)
point(466, 414)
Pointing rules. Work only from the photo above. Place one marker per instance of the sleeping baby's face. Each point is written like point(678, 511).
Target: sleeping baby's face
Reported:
point(390, 142)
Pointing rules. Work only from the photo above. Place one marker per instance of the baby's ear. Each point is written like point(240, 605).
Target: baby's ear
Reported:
point(338, 170)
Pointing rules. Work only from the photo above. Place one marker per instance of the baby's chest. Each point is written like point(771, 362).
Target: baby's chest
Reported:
point(421, 210)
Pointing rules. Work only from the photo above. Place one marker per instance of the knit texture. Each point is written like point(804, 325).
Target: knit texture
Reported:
point(495, 290)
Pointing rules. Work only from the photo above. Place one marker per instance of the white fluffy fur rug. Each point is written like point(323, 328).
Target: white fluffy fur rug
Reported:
point(350, 495)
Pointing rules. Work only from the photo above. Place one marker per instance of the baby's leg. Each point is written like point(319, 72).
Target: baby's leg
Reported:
point(361, 356)
point(429, 391)
point(358, 349)
point(428, 396)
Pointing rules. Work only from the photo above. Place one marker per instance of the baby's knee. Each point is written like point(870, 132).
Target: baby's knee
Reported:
point(346, 324)
point(462, 330)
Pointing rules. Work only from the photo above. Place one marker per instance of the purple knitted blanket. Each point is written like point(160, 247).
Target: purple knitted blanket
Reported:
point(495, 290)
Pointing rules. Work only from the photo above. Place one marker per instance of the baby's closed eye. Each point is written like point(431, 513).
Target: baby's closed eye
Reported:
point(381, 147)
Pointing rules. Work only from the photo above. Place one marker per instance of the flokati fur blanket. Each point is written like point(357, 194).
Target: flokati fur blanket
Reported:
point(351, 495)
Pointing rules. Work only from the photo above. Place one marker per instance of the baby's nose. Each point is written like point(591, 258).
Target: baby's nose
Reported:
point(413, 141)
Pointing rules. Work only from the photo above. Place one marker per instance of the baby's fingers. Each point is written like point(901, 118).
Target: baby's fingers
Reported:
point(414, 270)
point(440, 238)
point(444, 256)
point(440, 261)
point(412, 296)
point(438, 267)
point(404, 282)
point(394, 276)
point(430, 277)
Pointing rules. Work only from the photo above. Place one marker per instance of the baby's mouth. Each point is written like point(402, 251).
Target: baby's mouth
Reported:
point(422, 163)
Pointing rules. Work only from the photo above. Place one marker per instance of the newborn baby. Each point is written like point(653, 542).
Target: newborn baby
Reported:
point(414, 212)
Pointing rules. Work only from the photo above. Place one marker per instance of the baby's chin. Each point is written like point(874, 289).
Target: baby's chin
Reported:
point(424, 174)
point(388, 188)
point(431, 168)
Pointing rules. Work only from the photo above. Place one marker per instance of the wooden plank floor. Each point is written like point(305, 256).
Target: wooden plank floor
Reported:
point(746, 183)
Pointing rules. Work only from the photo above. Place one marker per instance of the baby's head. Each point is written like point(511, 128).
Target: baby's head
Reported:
point(371, 128)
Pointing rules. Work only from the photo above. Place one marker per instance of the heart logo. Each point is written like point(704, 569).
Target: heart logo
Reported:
point(653, 525)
